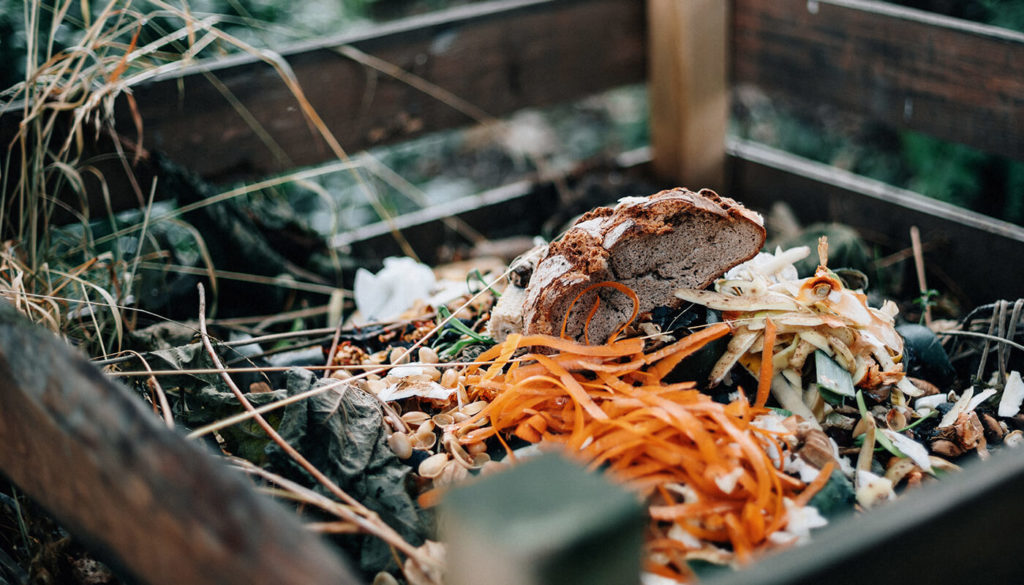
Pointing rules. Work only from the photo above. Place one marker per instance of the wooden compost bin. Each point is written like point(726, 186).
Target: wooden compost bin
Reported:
point(909, 69)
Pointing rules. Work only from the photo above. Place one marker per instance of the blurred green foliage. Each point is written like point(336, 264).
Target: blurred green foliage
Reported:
point(261, 23)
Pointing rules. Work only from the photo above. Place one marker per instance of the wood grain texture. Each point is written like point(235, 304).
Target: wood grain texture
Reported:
point(152, 502)
point(977, 506)
point(689, 94)
point(498, 56)
point(955, 80)
point(965, 248)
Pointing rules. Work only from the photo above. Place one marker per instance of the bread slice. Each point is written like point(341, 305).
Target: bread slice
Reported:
point(654, 245)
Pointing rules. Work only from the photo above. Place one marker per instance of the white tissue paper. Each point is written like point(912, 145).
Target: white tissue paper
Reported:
point(393, 290)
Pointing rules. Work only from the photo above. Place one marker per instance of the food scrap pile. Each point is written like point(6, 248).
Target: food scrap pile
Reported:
point(743, 414)
point(811, 382)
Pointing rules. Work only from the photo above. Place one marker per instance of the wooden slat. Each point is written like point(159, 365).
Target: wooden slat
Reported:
point(498, 56)
point(157, 505)
point(689, 90)
point(968, 508)
point(967, 250)
point(953, 79)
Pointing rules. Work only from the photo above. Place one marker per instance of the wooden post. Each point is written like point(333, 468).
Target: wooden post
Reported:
point(687, 61)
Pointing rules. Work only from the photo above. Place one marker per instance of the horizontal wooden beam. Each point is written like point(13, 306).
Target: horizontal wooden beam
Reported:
point(497, 56)
point(966, 248)
point(953, 79)
point(961, 507)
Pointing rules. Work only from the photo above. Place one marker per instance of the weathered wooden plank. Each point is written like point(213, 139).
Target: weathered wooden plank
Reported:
point(499, 56)
point(966, 249)
point(976, 508)
point(689, 90)
point(156, 504)
point(953, 79)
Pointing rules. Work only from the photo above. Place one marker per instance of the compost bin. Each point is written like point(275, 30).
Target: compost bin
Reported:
point(163, 510)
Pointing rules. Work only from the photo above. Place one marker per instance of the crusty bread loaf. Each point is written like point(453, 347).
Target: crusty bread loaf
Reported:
point(654, 245)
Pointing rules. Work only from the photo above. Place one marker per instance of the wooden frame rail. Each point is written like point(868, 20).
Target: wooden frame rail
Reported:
point(949, 78)
point(955, 80)
point(235, 118)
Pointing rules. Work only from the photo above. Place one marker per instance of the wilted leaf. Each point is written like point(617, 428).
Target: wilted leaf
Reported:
point(832, 377)
point(343, 434)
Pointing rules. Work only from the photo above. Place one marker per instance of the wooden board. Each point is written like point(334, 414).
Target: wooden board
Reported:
point(948, 532)
point(953, 79)
point(965, 249)
point(498, 56)
point(159, 507)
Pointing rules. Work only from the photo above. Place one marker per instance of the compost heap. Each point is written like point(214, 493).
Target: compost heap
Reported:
point(809, 385)
point(744, 414)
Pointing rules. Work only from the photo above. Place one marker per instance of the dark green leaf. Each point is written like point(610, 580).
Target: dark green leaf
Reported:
point(924, 355)
point(344, 435)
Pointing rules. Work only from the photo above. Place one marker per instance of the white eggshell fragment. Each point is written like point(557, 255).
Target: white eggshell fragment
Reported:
point(872, 489)
point(961, 406)
point(980, 398)
point(917, 452)
point(926, 404)
point(1013, 395)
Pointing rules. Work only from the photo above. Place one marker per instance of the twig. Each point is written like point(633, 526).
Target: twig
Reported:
point(264, 369)
point(330, 386)
point(298, 493)
point(986, 336)
point(156, 389)
point(1002, 350)
point(991, 336)
point(915, 242)
point(286, 283)
point(264, 321)
point(232, 343)
point(359, 514)
point(278, 350)
point(335, 339)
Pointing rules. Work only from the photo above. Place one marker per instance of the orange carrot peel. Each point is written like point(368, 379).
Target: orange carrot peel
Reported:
point(704, 466)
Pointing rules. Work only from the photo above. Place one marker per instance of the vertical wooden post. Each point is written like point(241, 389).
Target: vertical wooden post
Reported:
point(689, 92)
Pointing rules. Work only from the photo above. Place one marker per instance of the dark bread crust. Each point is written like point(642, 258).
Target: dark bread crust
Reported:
point(654, 245)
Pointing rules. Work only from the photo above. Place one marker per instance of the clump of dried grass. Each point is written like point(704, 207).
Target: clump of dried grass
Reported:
point(66, 101)
point(73, 281)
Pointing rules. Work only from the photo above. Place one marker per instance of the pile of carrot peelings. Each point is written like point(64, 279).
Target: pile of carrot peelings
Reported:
point(709, 474)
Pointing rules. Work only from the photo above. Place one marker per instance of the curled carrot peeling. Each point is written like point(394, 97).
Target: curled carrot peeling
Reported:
point(764, 382)
point(610, 406)
point(597, 302)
